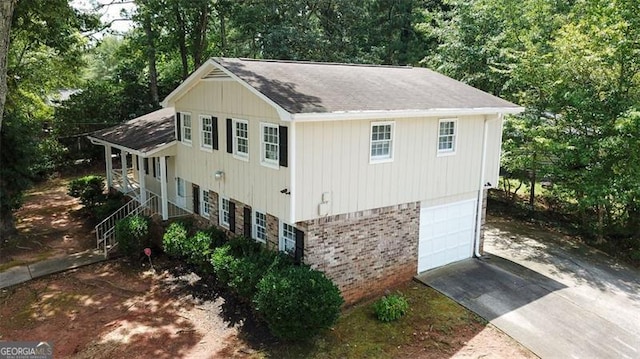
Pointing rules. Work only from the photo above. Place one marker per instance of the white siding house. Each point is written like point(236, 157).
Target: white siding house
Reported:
point(370, 173)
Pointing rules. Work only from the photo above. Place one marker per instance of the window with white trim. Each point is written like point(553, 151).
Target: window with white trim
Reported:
point(206, 132)
point(225, 212)
point(180, 185)
point(186, 127)
point(447, 136)
point(381, 141)
point(270, 144)
point(241, 138)
point(205, 204)
point(287, 238)
point(156, 168)
point(260, 227)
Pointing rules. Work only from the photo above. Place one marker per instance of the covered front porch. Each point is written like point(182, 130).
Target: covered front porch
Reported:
point(140, 161)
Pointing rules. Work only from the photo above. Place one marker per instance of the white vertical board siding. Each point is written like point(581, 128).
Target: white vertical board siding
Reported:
point(248, 182)
point(494, 140)
point(334, 157)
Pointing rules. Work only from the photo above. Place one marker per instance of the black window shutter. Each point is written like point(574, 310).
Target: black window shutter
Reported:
point(284, 140)
point(166, 168)
point(146, 166)
point(178, 126)
point(137, 164)
point(229, 136)
point(196, 199)
point(247, 222)
point(232, 216)
point(154, 167)
point(214, 127)
point(299, 251)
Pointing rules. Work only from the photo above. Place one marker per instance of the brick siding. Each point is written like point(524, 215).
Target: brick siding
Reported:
point(366, 252)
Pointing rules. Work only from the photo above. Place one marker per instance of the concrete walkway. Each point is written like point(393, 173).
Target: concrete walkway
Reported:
point(558, 300)
point(23, 273)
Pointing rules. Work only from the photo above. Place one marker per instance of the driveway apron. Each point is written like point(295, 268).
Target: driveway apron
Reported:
point(559, 300)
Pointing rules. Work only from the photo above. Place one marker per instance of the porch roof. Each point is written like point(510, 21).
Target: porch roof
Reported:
point(145, 134)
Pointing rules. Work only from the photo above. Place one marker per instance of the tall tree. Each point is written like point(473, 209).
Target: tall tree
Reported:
point(6, 14)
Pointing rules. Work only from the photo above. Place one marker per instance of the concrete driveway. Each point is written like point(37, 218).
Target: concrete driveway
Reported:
point(558, 299)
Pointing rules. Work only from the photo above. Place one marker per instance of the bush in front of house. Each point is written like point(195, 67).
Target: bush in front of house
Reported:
point(241, 263)
point(197, 250)
point(391, 307)
point(174, 238)
point(89, 189)
point(218, 236)
point(297, 302)
point(112, 202)
point(132, 235)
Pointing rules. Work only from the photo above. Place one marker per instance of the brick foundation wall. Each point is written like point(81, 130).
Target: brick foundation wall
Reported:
point(365, 252)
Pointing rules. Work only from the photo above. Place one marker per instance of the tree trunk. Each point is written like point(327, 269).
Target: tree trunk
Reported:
point(151, 57)
point(532, 192)
point(182, 45)
point(6, 14)
point(200, 35)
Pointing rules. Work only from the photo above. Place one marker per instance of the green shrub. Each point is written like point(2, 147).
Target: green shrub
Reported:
point(222, 260)
point(132, 234)
point(113, 202)
point(197, 250)
point(391, 307)
point(242, 246)
point(298, 302)
point(218, 236)
point(245, 272)
point(89, 189)
point(173, 240)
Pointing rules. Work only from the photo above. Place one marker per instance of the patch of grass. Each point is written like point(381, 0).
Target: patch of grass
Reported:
point(434, 326)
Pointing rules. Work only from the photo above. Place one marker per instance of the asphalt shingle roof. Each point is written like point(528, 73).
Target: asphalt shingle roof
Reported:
point(145, 133)
point(308, 87)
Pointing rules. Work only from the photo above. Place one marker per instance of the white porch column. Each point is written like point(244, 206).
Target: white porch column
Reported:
point(163, 188)
point(142, 180)
point(125, 182)
point(109, 165)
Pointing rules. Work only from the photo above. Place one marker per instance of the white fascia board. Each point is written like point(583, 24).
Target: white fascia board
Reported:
point(362, 115)
point(97, 141)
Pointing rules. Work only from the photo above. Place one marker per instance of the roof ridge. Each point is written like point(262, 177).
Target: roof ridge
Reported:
point(304, 62)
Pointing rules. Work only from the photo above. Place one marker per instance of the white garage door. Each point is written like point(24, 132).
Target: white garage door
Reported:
point(446, 234)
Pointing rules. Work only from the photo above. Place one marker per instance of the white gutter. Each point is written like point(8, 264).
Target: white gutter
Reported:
point(476, 243)
point(378, 114)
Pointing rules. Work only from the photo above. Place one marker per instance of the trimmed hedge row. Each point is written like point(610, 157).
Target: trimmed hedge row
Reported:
point(296, 302)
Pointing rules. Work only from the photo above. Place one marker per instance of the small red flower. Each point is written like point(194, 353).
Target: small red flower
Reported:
point(147, 251)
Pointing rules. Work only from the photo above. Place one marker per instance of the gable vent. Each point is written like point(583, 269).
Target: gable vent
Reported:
point(216, 74)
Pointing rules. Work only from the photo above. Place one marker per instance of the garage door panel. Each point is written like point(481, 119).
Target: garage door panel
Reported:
point(446, 234)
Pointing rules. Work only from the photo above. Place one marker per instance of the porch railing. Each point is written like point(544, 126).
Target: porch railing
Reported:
point(106, 230)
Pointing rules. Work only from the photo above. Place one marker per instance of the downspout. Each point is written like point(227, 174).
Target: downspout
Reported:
point(476, 243)
point(292, 172)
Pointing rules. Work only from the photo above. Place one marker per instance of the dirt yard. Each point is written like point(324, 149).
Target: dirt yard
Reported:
point(49, 225)
point(118, 309)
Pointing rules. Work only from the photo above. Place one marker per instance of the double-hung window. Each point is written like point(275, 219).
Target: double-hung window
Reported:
point(206, 132)
point(225, 212)
point(205, 204)
point(270, 144)
point(186, 127)
point(241, 138)
point(287, 238)
point(447, 136)
point(260, 227)
point(381, 142)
